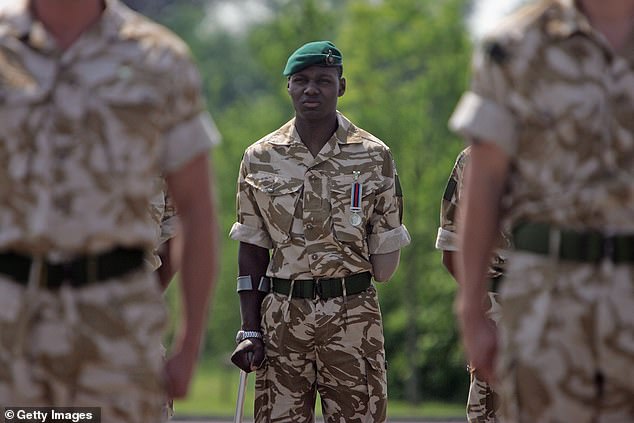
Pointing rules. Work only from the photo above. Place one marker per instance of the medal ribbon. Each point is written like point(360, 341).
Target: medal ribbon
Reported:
point(355, 197)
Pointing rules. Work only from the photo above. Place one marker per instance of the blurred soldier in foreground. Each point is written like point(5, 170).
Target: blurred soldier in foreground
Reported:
point(549, 114)
point(483, 402)
point(97, 101)
point(324, 195)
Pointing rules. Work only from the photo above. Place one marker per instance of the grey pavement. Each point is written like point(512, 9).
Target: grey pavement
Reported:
point(224, 420)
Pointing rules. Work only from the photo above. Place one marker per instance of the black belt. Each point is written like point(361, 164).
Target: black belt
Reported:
point(573, 245)
point(323, 288)
point(78, 272)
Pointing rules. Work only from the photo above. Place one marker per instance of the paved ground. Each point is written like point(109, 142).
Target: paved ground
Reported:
point(215, 420)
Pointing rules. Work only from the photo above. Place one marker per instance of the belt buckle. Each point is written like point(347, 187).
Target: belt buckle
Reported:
point(317, 288)
point(609, 248)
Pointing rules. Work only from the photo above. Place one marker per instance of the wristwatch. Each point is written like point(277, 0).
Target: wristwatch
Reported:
point(245, 334)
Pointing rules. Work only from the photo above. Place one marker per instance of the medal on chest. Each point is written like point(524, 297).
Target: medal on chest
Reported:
point(355, 200)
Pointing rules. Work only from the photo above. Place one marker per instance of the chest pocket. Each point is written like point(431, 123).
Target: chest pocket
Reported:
point(277, 198)
point(346, 226)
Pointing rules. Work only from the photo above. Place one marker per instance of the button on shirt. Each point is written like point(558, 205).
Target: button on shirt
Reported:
point(84, 132)
point(551, 92)
point(301, 206)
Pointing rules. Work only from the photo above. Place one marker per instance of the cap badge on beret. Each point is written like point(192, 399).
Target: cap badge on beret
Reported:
point(329, 58)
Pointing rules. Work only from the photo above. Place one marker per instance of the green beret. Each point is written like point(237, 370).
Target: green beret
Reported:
point(323, 53)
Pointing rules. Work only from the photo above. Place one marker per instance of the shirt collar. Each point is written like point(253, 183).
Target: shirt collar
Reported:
point(567, 19)
point(288, 135)
point(24, 26)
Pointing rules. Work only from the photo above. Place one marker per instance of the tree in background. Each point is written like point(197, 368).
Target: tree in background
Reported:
point(406, 62)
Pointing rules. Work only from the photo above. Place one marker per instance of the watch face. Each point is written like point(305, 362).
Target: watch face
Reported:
point(239, 337)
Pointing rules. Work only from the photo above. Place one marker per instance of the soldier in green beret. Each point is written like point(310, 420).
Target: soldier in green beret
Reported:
point(319, 216)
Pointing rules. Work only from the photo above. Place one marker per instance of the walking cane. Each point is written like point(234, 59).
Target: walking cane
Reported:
point(242, 388)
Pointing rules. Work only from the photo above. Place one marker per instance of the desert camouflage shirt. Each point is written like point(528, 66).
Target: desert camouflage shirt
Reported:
point(84, 132)
point(301, 206)
point(163, 213)
point(447, 238)
point(549, 90)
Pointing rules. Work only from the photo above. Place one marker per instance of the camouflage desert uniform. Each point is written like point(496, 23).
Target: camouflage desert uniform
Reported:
point(550, 92)
point(82, 135)
point(482, 402)
point(163, 212)
point(299, 206)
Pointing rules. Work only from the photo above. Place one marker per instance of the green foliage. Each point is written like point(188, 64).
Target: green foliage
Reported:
point(406, 63)
point(404, 78)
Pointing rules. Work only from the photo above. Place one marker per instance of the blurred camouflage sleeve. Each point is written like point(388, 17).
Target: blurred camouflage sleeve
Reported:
point(249, 227)
point(483, 112)
point(447, 238)
point(387, 232)
point(190, 130)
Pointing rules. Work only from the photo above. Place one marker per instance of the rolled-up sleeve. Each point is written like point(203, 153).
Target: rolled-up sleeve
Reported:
point(249, 227)
point(188, 128)
point(388, 233)
point(446, 240)
point(482, 114)
point(188, 139)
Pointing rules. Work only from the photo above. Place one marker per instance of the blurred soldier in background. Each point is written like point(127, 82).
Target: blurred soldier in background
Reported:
point(482, 402)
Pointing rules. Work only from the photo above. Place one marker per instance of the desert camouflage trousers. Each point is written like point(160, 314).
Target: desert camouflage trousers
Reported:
point(567, 342)
point(483, 402)
point(97, 346)
point(333, 347)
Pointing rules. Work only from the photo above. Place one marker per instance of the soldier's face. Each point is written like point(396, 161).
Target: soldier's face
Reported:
point(315, 90)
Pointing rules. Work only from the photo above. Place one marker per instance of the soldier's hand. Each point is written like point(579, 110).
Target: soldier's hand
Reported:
point(479, 336)
point(249, 354)
point(178, 373)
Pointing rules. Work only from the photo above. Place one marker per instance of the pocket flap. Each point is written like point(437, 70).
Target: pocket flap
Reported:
point(272, 184)
point(376, 361)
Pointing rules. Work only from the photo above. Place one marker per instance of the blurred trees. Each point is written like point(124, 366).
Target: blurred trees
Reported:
point(406, 62)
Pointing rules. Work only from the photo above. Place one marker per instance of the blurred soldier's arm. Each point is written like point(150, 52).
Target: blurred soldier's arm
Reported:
point(480, 216)
point(191, 188)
